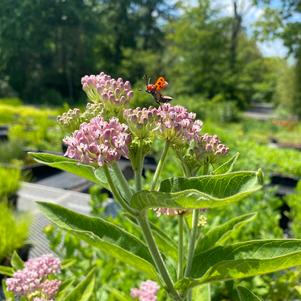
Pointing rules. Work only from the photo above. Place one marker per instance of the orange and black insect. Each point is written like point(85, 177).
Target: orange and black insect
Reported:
point(154, 90)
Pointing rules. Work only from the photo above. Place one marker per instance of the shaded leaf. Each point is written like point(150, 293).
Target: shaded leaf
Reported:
point(64, 163)
point(200, 192)
point(100, 233)
point(221, 233)
point(246, 295)
point(227, 166)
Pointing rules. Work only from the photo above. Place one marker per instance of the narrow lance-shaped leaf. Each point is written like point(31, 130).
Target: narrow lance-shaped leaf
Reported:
point(246, 295)
point(84, 290)
point(16, 262)
point(104, 235)
point(221, 233)
point(7, 271)
point(241, 260)
point(227, 166)
point(65, 288)
point(9, 296)
point(200, 192)
point(118, 296)
point(64, 163)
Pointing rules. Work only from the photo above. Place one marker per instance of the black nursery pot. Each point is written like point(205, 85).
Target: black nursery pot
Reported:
point(278, 179)
point(39, 171)
point(13, 200)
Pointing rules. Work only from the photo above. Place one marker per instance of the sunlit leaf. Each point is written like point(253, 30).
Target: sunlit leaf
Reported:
point(241, 260)
point(7, 271)
point(66, 164)
point(84, 290)
point(16, 262)
point(106, 236)
point(200, 192)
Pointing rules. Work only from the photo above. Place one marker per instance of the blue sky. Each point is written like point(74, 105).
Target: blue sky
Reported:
point(268, 48)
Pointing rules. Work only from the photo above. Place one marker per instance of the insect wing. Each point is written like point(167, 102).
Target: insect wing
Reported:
point(161, 83)
point(166, 99)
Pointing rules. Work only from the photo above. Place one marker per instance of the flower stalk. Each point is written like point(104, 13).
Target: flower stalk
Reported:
point(158, 260)
point(116, 193)
point(181, 246)
point(122, 180)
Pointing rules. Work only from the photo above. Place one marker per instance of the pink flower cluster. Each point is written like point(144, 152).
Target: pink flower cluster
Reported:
point(70, 120)
point(141, 121)
point(99, 141)
point(103, 87)
point(213, 145)
point(146, 292)
point(33, 278)
point(177, 124)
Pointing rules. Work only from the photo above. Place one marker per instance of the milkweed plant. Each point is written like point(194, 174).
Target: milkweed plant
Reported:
point(183, 266)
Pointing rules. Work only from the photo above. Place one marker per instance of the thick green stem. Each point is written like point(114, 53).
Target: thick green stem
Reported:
point(122, 180)
point(158, 260)
point(159, 166)
point(192, 239)
point(180, 246)
point(138, 172)
point(116, 194)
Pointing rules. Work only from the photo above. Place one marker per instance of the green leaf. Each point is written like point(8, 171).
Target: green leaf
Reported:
point(246, 295)
point(9, 296)
point(200, 192)
point(101, 177)
point(64, 163)
point(166, 245)
point(219, 234)
point(102, 234)
point(201, 293)
point(64, 288)
point(7, 271)
point(227, 166)
point(244, 259)
point(120, 296)
point(84, 290)
point(67, 263)
point(16, 262)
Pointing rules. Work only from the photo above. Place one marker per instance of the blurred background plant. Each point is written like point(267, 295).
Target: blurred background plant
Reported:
point(14, 231)
point(219, 57)
point(210, 50)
